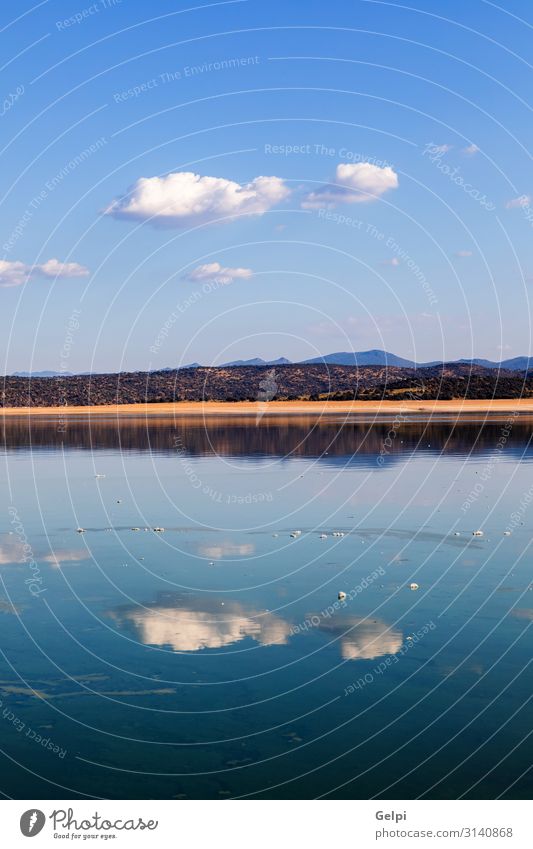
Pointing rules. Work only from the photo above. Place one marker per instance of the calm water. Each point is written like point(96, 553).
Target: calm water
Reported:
point(211, 661)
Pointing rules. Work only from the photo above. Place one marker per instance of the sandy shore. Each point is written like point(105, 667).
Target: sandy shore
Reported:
point(301, 408)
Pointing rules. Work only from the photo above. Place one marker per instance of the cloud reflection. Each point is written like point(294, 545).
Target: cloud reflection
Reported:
point(65, 555)
point(364, 639)
point(523, 613)
point(13, 550)
point(188, 625)
point(226, 549)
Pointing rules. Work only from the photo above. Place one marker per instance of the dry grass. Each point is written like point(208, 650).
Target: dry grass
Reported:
point(248, 408)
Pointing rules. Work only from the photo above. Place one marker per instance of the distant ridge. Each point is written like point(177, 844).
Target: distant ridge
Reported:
point(374, 357)
point(257, 361)
point(42, 374)
point(170, 368)
point(362, 358)
point(514, 364)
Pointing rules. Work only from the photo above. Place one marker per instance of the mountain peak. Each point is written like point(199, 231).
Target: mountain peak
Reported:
point(374, 357)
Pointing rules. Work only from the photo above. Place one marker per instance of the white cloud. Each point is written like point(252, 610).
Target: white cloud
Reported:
point(359, 183)
point(214, 271)
point(183, 199)
point(394, 261)
point(515, 203)
point(471, 150)
point(54, 268)
point(15, 273)
point(463, 253)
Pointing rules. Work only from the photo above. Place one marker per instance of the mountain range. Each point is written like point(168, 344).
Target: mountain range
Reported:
point(374, 357)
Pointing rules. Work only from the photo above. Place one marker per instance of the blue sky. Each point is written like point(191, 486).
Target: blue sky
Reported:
point(393, 210)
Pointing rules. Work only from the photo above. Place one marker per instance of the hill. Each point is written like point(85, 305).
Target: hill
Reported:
point(263, 383)
point(374, 357)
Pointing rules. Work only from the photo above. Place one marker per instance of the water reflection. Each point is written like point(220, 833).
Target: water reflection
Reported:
point(65, 555)
point(364, 639)
point(524, 613)
point(11, 550)
point(14, 550)
point(186, 624)
point(330, 438)
point(226, 548)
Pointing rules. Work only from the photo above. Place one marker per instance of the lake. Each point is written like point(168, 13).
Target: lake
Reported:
point(212, 658)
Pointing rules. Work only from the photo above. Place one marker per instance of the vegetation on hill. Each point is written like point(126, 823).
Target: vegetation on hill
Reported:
point(267, 383)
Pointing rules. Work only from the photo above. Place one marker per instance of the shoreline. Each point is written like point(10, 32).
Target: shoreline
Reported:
point(499, 407)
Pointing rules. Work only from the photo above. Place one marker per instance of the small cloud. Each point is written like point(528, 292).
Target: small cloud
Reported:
point(214, 271)
point(394, 261)
point(183, 199)
point(471, 150)
point(54, 268)
point(15, 273)
point(463, 253)
point(359, 183)
point(519, 202)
